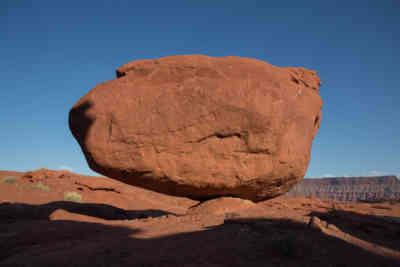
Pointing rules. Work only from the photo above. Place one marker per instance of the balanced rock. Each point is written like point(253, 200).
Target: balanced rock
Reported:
point(201, 127)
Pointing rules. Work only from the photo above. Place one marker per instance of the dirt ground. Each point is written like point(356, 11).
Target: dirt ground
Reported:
point(58, 218)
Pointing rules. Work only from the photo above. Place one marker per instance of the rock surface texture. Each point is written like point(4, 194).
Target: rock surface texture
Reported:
point(202, 127)
point(349, 189)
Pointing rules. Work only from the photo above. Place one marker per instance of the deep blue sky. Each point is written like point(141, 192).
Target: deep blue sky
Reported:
point(53, 52)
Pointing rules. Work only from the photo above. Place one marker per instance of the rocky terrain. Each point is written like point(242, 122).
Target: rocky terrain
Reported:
point(197, 150)
point(349, 188)
point(58, 218)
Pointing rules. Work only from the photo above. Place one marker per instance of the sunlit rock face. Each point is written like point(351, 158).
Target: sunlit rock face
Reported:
point(201, 127)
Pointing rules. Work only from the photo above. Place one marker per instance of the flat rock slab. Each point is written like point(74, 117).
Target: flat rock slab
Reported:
point(201, 127)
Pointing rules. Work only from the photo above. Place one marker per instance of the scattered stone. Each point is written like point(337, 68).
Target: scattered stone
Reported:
point(320, 225)
point(316, 223)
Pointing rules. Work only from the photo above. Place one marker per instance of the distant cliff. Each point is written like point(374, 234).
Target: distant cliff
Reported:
point(349, 189)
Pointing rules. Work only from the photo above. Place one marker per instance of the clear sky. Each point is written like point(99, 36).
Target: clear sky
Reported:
point(53, 52)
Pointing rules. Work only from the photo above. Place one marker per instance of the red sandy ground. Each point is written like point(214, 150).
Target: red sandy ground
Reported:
point(121, 225)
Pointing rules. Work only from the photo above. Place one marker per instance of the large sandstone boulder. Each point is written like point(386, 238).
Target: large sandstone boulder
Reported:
point(201, 127)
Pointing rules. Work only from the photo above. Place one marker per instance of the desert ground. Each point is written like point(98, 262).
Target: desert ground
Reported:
point(58, 218)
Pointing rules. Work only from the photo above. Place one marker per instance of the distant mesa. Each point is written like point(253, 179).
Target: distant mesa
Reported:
point(201, 127)
point(349, 189)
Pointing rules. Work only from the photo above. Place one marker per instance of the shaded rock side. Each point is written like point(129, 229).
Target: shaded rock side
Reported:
point(201, 127)
point(349, 188)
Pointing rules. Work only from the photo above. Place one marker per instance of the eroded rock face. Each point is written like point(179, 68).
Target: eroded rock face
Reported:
point(201, 127)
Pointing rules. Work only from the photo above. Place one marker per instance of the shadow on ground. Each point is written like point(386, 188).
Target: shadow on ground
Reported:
point(381, 230)
point(236, 242)
point(13, 211)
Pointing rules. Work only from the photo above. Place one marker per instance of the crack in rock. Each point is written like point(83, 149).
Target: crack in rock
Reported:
point(217, 135)
point(98, 188)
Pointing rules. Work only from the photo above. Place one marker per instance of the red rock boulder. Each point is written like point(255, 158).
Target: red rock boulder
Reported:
point(201, 127)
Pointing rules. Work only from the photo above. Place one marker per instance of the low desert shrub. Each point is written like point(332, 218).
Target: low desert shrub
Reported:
point(41, 186)
point(9, 180)
point(73, 197)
